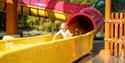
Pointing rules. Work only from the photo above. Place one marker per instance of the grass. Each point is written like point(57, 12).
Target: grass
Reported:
point(2, 33)
point(34, 33)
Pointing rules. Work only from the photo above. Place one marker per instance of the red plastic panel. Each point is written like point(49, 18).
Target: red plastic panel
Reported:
point(51, 4)
point(87, 19)
point(34, 3)
point(96, 15)
point(85, 5)
point(20, 1)
point(85, 23)
point(25, 2)
point(42, 3)
point(67, 7)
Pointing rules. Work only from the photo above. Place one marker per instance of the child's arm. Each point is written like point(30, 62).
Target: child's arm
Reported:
point(69, 33)
point(56, 35)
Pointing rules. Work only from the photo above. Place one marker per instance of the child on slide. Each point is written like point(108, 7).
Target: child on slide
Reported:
point(63, 31)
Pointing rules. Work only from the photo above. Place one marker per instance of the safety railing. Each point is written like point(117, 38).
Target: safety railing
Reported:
point(116, 37)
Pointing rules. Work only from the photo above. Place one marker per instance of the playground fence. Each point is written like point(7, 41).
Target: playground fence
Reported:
point(116, 36)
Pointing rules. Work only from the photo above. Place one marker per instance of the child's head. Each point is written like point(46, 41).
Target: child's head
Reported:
point(63, 26)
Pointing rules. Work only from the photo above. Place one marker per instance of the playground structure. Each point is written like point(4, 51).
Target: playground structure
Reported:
point(41, 49)
point(115, 31)
point(117, 37)
point(51, 9)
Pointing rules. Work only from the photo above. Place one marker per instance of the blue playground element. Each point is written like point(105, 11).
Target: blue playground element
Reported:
point(100, 5)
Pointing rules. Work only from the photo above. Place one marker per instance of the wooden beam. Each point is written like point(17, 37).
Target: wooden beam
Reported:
point(107, 25)
point(11, 17)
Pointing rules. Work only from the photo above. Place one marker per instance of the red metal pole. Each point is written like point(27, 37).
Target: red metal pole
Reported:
point(11, 17)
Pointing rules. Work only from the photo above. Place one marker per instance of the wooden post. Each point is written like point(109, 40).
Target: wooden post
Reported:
point(116, 34)
point(112, 33)
point(11, 17)
point(107, 25)
point(121, 34)
point(124, 35)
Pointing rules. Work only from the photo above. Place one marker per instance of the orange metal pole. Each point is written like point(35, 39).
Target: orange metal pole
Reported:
point(107, 25)
point(121, 34)
point(11, 17)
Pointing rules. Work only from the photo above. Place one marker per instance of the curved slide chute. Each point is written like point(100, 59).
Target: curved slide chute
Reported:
point(86, 20)
point(80, 19)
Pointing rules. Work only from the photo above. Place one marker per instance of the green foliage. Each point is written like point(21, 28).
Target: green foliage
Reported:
point(38, 23)
point(32, 22)
point(118, 5)
point(82, 1)
point(2, 21)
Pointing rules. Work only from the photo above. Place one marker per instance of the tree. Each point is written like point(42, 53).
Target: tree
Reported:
point(2, 21)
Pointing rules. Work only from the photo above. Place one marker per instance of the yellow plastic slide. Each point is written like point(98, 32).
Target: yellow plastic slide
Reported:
point(41, 49)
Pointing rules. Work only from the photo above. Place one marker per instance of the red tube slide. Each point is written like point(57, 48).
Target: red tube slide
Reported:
point(85, 20)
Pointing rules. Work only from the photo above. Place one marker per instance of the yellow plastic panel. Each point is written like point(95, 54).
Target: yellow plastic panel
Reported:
point(83, 44)
point(3, 46)
point(19, 9)
point(58, 51)
point(34, 11)
point(57, 15)
point(63, 51)
point(25, 10)
point(61, 16)
point(8, 44)
point(33, 40)
point(41, 12)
